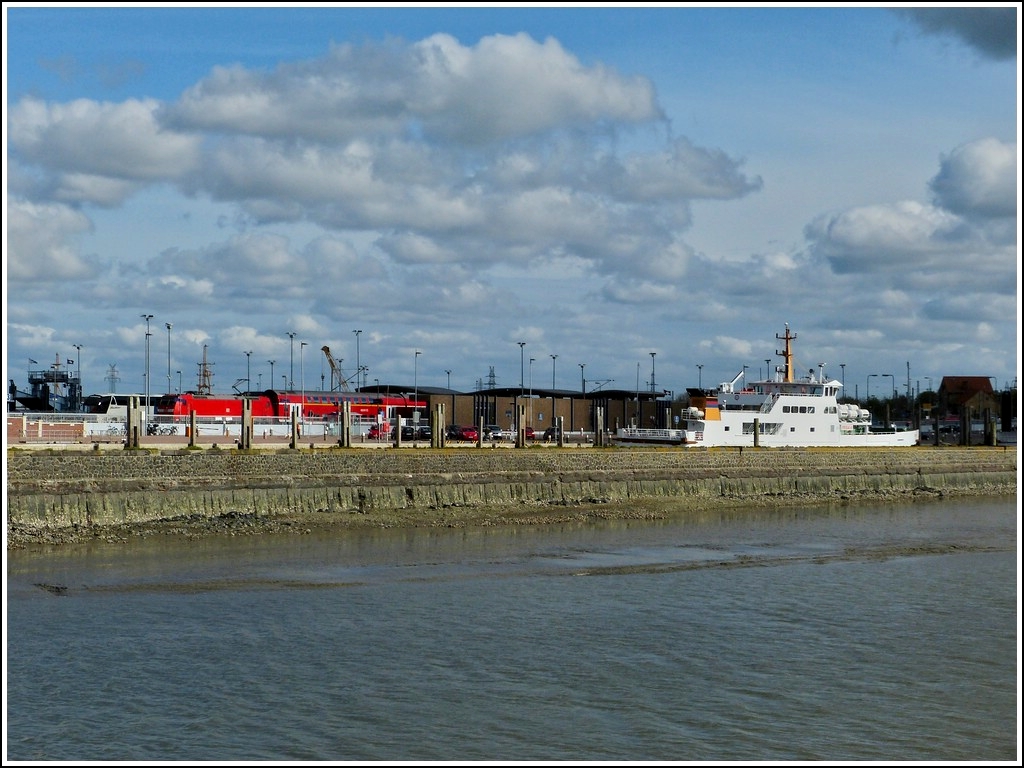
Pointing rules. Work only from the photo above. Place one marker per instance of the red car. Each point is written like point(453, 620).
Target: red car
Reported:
point(469, 434)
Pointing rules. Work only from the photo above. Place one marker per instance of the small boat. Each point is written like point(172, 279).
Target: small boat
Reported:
point(780, 412)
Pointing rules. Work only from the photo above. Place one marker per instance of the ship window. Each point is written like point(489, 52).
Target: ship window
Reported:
point(810, 409)
point(812, 429)
point(803, 409)
point(785, 409)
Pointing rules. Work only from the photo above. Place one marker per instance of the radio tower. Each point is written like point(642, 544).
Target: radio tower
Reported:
point(205, 376)
point(112, 377)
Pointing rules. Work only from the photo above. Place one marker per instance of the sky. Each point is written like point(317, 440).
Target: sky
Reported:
point(599, 197)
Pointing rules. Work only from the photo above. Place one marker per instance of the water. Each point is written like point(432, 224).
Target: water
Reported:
point(868, 633)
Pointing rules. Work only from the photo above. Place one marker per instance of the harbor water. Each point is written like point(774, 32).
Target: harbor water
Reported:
point(879, 633)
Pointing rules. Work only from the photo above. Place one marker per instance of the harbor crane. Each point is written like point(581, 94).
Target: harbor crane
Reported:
point(336, 372)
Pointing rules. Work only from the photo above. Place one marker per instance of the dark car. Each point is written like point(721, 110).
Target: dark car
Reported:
point(551, 434)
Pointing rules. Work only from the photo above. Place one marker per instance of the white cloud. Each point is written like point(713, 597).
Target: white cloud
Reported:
point(84, 139)
point(979, 179)
point(503, 87)
point(41, 242)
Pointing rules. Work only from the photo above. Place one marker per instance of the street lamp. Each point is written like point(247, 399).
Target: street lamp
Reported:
point(248, 371)
point(530, 401)
point(179, 382)
point(700, 370)
point(81, 390)
point(553, 358)
point(521, 366)
point(768, 368)
point(271, 372)
point(415, 381)
point(145, 411)
point(359, 368)
point(291, 361)
point(842, 367)
point(652, 370)
point(448, 371)
point(302, 382)
point(892, 389)
point(169, 326)
point(867, 386)
point(583, 381)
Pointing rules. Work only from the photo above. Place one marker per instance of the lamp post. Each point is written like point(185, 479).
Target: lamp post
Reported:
point(530, 401)
point(652, 370)
point(248, 370)
point(700, 370)
point(448, 372)
point(291, 361)
point(415, 381)
point(302, 382)
point(145, 411)
point(867, 386)
point(359, 367)
point(553, 404)
point(522, 369)
point(179, 382)
point(271, 372)
point(169, 326)
point(892, 389)
point(81, 389)
point(768, 368)
point(842, 367)
point(583, 381)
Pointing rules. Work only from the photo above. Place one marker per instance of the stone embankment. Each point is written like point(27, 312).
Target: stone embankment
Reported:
point(60, 496)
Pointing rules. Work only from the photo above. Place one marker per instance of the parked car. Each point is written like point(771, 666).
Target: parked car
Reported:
point(494, 432)
point(468, 433)
point(551, 434)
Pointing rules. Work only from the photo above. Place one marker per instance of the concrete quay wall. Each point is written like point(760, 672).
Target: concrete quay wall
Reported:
point(59, 490)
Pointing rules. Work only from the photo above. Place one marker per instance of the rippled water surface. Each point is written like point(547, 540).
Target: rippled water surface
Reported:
point(864, 633)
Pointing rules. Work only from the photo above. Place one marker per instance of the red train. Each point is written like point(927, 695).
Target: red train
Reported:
point(280, 404)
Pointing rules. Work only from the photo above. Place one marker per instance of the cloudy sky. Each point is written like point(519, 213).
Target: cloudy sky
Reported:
point(600, 183)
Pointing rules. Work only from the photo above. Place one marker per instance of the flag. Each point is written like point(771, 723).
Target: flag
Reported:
point(34, 362)
point(71, 362)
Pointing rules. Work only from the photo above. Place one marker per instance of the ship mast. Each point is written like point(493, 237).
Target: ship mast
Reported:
point(788, 354)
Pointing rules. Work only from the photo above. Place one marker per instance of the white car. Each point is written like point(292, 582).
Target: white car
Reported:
point(495, 432)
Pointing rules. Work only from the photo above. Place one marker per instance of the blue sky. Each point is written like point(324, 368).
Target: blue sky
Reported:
point(599, 182)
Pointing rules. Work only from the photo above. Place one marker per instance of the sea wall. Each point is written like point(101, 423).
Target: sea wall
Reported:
point(52, 491)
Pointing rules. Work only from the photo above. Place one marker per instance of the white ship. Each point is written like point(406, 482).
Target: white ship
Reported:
point(780, 412)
